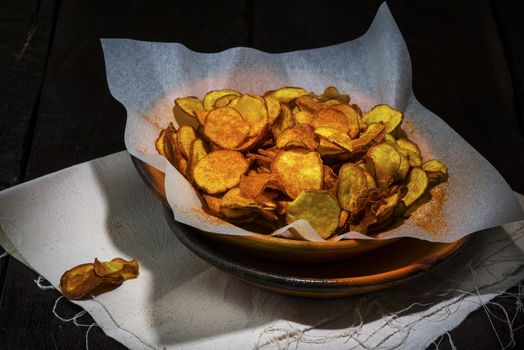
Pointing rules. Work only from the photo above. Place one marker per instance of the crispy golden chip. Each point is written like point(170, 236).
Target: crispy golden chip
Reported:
point(226, 127)
point(385, 114)
point(307, 103)
point(331, 118)
point(254, 183)
point(330, 180)
point(331, 93)
point(404, 161)
point(160, 143)
point(435, 170)
point(285, 120)
point(235, 199)
point(303, 117)
point(385, 162)
point(220, 171)
point(253, 109)
point(286, 94)
point(182, 118)
point(186, 135)
point(197, 151)
point(417, 184)
point(190, 105)
point(343, 218)
point(352, 118)
point(77, 282)
point(374, 133)
point(201, 117)
point(329, 149)
point(335, 136)
point(173, 151)
point(118, 269)
point(273, 109)
point(300, 135)
point(319, 208)
point(212, 96)
point(385, 208)
point(213, 204)
point(298, 170)
point(412, 152)
point(370, 179)
point(352, 188)
point(224, 100)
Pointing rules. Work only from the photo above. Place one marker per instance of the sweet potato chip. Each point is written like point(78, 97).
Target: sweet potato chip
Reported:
point(273, 109)
point(190, 105)
point(79, 281)
point(335, 136)
point(225, 100)
point(212, 96)
point(307, 103)
point(385, 162)
point(303, 117)
point(391, 118)
point(226, 127)
point(352, 117)
point(198, 150)
point(298, 170)
point(329, 149)
point(417, 184)
point(352, 188)
point(254, 183)
point(186, 135)
point(83, 279)
point(213, 204)
point(220, 171)
point(300, 135)
point(285, 120)
point(253, 109)
point(159, 143)
point(412, 152)
point(331, 118)
point(286, 94)
point(117, 270)
point(319, 208)
point(435, 170)
point(373, 133)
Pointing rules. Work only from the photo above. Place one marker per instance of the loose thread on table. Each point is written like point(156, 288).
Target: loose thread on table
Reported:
point(75, 321)
point(39, 284)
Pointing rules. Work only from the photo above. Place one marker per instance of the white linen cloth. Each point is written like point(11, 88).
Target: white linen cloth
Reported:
point(103, 209)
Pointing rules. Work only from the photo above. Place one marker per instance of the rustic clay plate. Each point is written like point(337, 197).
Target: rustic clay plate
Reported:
point(274, 248)
point(381, 267)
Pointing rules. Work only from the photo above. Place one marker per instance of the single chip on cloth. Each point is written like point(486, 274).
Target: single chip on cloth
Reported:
point(83, 279)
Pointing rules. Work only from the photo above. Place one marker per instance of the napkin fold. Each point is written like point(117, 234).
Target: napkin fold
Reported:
point(103, 209)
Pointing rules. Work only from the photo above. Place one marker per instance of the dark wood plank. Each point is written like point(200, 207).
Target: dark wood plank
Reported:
point(508, 15)
point(25, 34)
point(78, 120)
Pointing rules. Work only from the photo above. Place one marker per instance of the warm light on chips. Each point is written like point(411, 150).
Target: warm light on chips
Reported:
point(319, 208)
point(292, 154)
point(220, 171)
point(83, 279)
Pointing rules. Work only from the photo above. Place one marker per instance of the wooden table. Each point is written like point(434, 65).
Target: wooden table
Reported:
point(56, 110)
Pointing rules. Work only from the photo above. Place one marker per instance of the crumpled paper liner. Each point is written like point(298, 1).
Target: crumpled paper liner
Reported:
point(146, 77)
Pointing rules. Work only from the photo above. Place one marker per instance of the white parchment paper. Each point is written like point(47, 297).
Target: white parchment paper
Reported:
point(146, 77)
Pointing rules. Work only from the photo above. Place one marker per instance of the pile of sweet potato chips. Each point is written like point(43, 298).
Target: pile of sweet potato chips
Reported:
point(291, 154)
